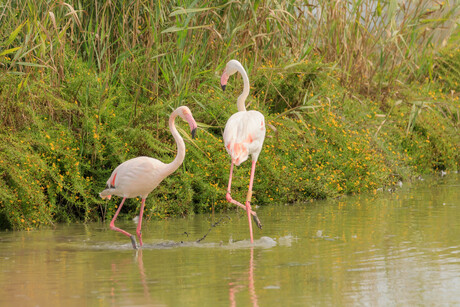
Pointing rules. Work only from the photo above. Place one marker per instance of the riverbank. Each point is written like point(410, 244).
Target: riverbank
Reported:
point(71, 115)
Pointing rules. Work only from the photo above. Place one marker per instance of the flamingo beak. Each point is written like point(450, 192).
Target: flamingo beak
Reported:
point(193, 133)
point(192, 124)
point(223, 80)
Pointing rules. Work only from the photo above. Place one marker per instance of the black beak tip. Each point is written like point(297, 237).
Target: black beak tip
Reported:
point(193, 133)
point(223, 87)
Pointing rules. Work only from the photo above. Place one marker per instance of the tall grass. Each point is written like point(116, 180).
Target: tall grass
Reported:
point(166, 48)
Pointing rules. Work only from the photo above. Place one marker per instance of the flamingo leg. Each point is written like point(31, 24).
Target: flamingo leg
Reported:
point(112, 225)
point(229, 188)
point(246, 207)
point(139, 225)
point(248, 198)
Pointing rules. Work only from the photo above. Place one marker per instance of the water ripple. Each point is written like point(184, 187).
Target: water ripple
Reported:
point(263, 242)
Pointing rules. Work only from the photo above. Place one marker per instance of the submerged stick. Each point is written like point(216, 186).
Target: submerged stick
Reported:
point(212, 226)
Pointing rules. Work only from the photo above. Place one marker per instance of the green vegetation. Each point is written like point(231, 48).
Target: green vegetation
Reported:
point(357, 97)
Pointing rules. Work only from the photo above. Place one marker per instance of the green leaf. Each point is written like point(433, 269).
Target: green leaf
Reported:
point(415, 111)
point(8, 51)
point(182, 10)
point(22, 84)
point(177, 29)
point(30, 64)
point(14, 34)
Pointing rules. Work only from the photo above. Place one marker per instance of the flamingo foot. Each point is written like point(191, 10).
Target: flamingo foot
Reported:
point(133, 241)
point(256, 220)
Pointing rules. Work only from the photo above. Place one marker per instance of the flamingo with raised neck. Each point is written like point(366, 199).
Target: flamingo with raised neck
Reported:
point(138, 177)
point(244, 135)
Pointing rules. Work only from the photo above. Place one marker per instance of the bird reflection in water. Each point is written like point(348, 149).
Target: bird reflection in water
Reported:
point(119, 271)
point(236, 287)
point(140, 265)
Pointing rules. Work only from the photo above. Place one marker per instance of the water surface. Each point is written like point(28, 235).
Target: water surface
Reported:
point(400, 248)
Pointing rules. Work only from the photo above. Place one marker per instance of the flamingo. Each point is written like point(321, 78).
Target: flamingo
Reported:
point(244, 135)
point(139, 176)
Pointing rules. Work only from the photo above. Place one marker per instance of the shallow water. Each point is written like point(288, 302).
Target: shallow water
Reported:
point(400, 248)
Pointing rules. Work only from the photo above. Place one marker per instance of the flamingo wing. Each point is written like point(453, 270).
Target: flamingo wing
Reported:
point(244, 135)
point(135, 177)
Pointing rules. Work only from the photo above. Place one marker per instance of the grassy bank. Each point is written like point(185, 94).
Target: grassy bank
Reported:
point(86, 85)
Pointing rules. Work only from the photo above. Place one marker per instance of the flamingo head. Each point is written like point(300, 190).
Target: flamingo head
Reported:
point(186, 114)
point(230, 69)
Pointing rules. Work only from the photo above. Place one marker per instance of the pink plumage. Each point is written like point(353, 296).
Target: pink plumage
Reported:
point(135, 178)
point(244, 135)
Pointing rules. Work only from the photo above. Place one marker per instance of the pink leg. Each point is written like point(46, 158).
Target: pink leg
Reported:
point(112, 225)
point(139, 225)
point(249, 196)
point(231, 200)
point(229, 188)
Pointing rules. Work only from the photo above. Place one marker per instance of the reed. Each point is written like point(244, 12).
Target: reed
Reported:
point(167, 48)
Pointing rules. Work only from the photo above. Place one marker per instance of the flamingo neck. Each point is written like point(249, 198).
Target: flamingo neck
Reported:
point(240, 103)
point(174, 165)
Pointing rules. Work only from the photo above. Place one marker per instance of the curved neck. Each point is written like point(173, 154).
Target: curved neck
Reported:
point(171, 167)
point(240, 102)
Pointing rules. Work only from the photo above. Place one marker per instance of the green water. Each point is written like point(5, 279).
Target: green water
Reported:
point(400, 248)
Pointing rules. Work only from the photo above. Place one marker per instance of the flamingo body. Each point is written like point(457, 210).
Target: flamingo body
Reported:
point(244, 135)
point(135, 178)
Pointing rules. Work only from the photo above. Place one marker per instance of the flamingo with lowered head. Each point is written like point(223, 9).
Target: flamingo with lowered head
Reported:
point(244, 135)
point(138, 177)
